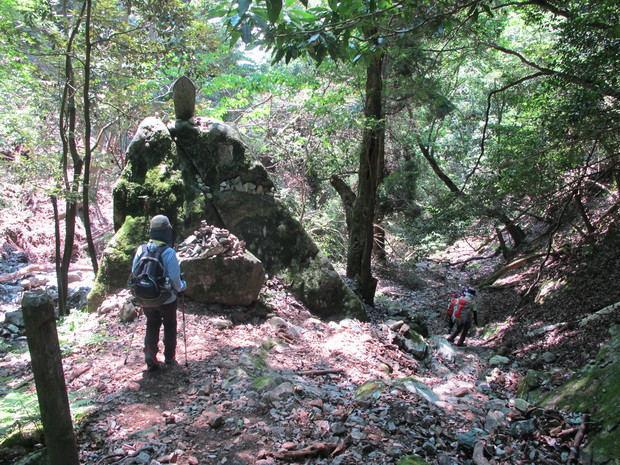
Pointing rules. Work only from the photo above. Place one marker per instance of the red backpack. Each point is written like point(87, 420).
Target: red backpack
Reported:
point(455, 309)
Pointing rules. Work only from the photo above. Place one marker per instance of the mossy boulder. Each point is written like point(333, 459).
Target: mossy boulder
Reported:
point(285, 248)
point(529, 387)
point(596, 390)
point(268, 229)
point(200, 171)
point(156, 180)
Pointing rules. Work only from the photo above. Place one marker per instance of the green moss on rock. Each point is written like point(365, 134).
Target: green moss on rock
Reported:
point(115, 265)
point(412, 460)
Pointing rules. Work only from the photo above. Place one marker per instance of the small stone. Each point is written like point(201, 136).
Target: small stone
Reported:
point(12, 328)
point(142, 458)
point(190, 239)
point(338, 429)
point(429, 448)
point(522, 428)
point(462, 392)
point(468, 440)
point(495, 420)
point(106, 307)
point(393, 451)
point(521, 405)
point(497, 360)
point(222, 323)
point(548, 357)
point(15, 318)
point(215, 420)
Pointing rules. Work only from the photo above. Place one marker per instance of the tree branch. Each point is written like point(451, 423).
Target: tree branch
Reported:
point(486, 120)
point(586, 83)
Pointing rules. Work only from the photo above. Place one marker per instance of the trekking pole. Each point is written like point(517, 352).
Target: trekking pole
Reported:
point(132, 333)
point(184, 333)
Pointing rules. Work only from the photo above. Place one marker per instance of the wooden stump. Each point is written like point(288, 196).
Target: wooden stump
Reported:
point(40, 322)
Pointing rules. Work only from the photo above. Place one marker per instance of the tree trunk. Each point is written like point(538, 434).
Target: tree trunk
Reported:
point(39, 319)
point(502, 242)
point(359, 256)
point(584, 214)
point(92, 252)
point(68, 125)
point(515, 231)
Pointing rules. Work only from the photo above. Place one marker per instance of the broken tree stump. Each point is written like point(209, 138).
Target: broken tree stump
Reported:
point(40, 322)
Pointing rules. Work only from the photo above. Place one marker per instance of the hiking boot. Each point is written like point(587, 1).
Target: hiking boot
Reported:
point(460, 344)
point(151, 361)
point(171, 362)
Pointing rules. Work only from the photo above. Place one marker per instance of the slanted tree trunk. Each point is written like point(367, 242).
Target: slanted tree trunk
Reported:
point(40, 322)
point(584, 214)
point(359, 255)
point(514, 230)
point(502, 242)
point(347, 196)
point(516, 233)
point(430, 158)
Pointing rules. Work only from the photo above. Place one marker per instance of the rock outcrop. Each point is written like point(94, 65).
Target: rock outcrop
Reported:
point(216, 263)
point(199, 171)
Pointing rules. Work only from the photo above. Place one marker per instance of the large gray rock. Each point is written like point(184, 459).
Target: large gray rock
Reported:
point(233, 280)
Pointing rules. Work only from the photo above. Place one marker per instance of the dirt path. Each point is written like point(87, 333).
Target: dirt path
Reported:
point(289, 387)
point(268, 388)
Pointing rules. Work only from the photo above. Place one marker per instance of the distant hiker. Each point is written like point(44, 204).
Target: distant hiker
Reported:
point(160, 305)
point(451, 306)
point(465, 309)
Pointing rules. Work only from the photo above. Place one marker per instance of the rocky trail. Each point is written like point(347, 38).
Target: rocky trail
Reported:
point(271, 384)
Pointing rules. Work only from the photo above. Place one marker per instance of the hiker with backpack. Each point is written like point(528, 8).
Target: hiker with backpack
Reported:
point(155, 283)
point(464, 311)
point(450, 310)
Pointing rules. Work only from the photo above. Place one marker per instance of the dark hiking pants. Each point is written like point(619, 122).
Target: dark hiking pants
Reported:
point(156, 316)
point(462, 328)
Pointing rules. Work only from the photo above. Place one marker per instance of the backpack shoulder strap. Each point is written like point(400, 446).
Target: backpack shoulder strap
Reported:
point(159, 251)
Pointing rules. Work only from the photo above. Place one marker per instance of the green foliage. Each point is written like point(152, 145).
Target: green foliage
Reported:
point(78, 330)
point(19, 411)
point(515, 104)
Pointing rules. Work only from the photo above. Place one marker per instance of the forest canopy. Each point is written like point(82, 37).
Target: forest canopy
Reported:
point(389, 126)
